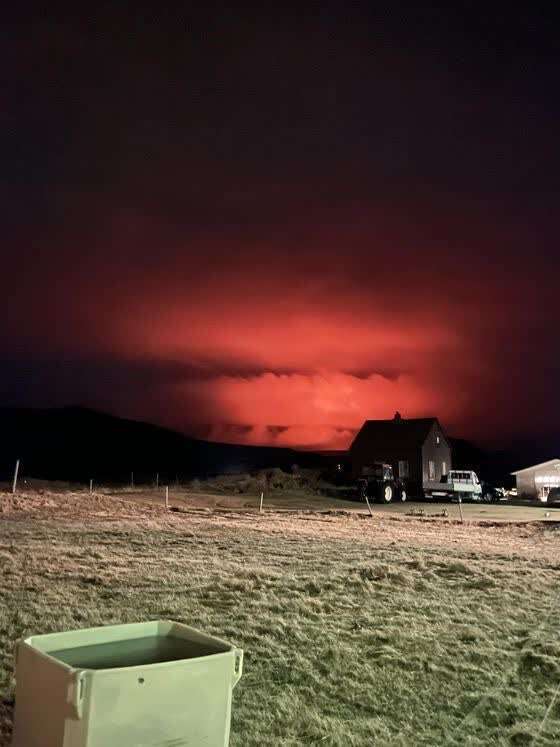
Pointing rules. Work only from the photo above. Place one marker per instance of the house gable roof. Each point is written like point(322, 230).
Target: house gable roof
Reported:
point(390, 434)
point(555, 462)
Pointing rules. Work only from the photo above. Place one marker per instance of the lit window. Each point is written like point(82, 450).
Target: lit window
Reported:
point(443, 468)
point(431, 470)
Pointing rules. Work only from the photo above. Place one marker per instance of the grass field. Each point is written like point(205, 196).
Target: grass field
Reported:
point(356, 631)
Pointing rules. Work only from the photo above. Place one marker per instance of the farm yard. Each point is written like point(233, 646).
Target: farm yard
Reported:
point(391, 630)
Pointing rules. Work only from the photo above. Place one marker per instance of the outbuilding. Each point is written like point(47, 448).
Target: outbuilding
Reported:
point(535, 482)
point(416, 448)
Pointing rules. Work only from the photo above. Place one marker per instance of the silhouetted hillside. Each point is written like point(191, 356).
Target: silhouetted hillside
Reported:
point(77, 444)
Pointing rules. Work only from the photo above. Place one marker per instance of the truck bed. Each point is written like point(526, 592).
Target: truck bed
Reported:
point(445, 488)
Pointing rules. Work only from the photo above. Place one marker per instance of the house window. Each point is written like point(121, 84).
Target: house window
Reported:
point(403, 468)
point(444, 468)
point(431, 470)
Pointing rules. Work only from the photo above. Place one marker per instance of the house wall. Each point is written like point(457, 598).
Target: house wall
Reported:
point(438, 452)
point(525, 484)
point(364, 455)
point(414, 459)
point(415, 483)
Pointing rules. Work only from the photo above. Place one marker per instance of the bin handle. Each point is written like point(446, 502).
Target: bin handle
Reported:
point(237, 666)
point(77, 691)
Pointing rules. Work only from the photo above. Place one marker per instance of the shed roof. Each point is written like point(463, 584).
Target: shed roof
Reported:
point(549, 463)
point(395, 433)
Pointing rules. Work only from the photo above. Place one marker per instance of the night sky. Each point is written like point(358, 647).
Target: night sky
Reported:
point(265, 226)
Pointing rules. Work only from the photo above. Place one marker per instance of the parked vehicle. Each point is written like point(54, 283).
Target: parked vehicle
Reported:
point(501, 494)
point(378, 483)
point(463, 484)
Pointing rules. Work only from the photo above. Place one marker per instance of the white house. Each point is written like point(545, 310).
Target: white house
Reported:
point(535, 482)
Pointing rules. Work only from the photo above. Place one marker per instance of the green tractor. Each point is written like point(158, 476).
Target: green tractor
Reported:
point(378, 483)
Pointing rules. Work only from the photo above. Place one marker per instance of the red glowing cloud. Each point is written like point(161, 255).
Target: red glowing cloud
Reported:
point(249, 342)
point(320, 410)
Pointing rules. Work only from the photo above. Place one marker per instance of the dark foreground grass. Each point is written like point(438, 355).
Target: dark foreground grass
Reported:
point(345, 643)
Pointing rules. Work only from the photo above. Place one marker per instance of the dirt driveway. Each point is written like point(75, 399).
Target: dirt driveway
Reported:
point(503, 512)
point(476, 511)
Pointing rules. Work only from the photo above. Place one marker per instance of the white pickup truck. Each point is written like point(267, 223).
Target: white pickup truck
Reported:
point(458, 483)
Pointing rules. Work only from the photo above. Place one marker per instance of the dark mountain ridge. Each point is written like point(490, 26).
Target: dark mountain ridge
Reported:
point(76, 444)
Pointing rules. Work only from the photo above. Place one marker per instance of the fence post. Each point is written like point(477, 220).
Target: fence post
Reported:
point(261, 503)
point(167, 496)
point(14, 484)
point(91, 486)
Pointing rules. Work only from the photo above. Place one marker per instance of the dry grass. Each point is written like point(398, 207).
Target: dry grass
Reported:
point(356, 631)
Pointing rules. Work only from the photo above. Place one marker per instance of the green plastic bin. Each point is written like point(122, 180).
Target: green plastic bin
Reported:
point(154, 684)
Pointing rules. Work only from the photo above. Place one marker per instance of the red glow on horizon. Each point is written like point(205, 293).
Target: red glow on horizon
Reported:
point(303, 374)
point(253, 344)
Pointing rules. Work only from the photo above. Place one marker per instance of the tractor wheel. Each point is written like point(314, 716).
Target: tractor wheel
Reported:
point(386, 493)
point(402, 494)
